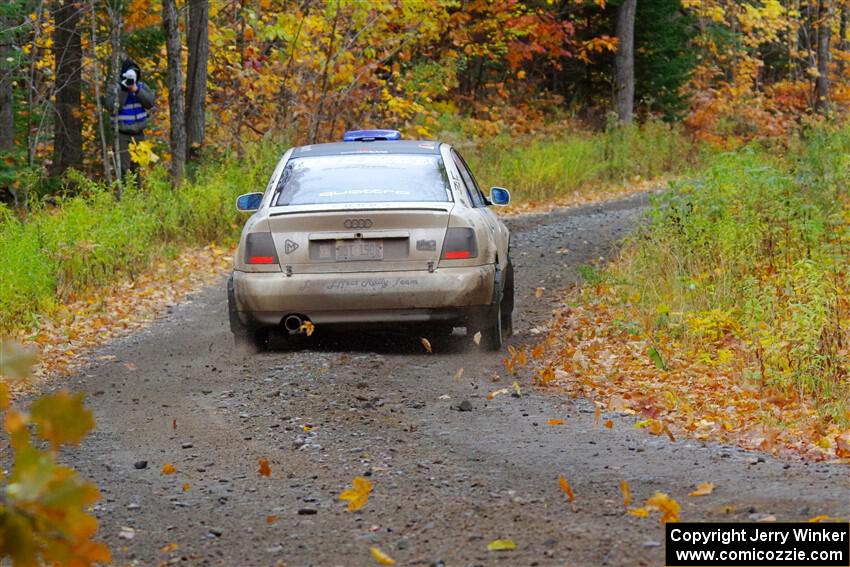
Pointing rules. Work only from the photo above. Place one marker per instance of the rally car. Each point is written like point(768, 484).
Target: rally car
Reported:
point(377, 232)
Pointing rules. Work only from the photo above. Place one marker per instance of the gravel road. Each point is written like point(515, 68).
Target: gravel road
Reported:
point(446, 482)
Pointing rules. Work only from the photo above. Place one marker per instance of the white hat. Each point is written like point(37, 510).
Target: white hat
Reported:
point(129, 74)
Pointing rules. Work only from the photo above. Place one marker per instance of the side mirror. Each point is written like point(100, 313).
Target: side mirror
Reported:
point(500, 196)
point(249, 202)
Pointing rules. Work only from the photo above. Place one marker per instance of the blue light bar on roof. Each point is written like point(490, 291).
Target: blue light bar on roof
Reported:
point(370, 135)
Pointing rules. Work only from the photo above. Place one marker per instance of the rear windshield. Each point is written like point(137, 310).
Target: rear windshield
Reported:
point(363, 178)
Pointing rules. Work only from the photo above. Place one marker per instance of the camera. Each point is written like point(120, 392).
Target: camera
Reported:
point(128, 79)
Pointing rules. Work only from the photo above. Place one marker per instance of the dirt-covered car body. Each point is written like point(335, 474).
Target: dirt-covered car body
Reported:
point(371, 232)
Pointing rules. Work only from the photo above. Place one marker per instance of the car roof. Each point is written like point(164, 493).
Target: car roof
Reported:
point(376, 147)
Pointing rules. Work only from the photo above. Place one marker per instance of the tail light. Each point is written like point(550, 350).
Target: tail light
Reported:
point(259, 249)
point(460, 244)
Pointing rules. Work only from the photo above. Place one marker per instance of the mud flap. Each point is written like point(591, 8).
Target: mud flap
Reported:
point(243, 336)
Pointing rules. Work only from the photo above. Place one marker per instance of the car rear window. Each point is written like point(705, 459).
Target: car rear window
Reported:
point(363, 178)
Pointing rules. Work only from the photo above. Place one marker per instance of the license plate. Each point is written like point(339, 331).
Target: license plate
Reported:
point(353, 250)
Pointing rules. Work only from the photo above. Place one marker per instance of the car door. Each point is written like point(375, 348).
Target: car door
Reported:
point(498, 231)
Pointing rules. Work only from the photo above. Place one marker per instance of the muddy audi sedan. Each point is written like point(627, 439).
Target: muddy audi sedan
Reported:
point(372, 232)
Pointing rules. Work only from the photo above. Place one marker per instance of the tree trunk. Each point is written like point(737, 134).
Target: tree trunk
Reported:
point(625, 61)
point(101, 128)
point(114, 9)
point(175, 91)
point(7, 115)
point(68, 56)
point(824, 34)
point(317, 118)
point(196, 75)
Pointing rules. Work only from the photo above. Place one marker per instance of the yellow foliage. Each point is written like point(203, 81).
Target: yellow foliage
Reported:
point(142, 153)
point(357, 496)
point(381, 557)
point(44, 509)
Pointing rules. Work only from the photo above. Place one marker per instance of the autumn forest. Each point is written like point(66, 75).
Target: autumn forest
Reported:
point(680, 220)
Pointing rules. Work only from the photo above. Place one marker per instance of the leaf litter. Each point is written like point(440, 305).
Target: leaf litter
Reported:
point(90, 319)
point(589, 351)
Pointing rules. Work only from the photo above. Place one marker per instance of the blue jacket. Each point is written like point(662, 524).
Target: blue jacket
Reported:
point(133, 108)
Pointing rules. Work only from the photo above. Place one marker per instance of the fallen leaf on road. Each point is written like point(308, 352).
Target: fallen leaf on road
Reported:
point(669, 434)
point(596, 415)
point(476, 338)
point(499, 392)
point(126, 533)
point(381, 557)
point(825, 518)
point(173, 424)
point(186, 486)
point(568, 490)
point(168, 468)
point(168, 548)
point(265, 469)
point(842, 445)
point(638, 512)
point(427, 344)
point(307, 328)
point(703, 489)
point(555, 422)
point(501, 545)
point(627, 493)
point(307, 427)
point(458, 374)
point(655, 426)
point(357, 496)
point(517, 391)
point(271, 519)
point(668, 507)
point(609, 424)
point(130, 366)
point(538, 293)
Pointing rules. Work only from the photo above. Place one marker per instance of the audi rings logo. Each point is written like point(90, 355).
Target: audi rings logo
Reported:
point(358, 223)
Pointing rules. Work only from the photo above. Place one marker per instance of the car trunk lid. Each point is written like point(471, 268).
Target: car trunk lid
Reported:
point(359, 238)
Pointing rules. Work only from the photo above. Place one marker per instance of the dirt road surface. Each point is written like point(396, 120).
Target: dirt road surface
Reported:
point(446, 482)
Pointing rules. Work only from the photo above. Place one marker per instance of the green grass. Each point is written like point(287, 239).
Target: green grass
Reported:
point(758, 247)
point(91, 239)
point(560, 163)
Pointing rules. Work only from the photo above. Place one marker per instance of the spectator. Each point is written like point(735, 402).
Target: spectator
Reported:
point(135, 98)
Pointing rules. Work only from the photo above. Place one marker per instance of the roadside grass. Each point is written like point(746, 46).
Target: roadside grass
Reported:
point(90, 240)
point(559, 163)
point(70, 245)
point(729, 311)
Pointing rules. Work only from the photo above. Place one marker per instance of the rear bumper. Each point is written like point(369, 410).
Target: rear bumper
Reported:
point(447, 294)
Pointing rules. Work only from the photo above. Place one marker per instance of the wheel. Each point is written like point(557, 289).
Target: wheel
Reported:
point(254, 339)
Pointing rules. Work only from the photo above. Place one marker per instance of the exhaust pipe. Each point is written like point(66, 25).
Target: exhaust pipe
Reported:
point(292, 323)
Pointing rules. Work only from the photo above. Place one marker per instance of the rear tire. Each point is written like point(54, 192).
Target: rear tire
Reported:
point(498, 323)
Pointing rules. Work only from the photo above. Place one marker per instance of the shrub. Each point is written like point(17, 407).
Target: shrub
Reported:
point(756, 248)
